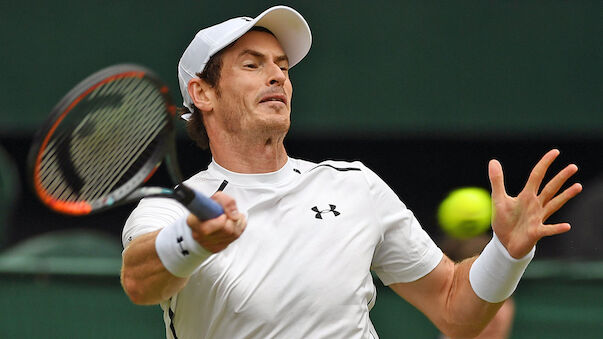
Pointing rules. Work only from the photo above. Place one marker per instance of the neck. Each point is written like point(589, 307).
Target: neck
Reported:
point(260, 155)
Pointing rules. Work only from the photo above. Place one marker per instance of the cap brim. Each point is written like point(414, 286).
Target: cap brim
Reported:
point(289, 28)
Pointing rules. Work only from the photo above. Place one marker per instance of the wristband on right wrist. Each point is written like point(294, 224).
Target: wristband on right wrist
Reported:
point(495, 273)
point(179, 252)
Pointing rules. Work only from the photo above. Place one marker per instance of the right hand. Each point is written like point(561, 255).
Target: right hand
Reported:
point(216, 234)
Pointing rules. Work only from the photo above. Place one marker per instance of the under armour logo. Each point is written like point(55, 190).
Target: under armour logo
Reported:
point(320, 212)
point(182, 250)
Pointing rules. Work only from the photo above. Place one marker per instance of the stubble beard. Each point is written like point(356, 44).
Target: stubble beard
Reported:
point(242, 125)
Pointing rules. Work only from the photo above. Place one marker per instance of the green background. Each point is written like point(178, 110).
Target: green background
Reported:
point(71, 291)
point(375, 68)
point(424, 92)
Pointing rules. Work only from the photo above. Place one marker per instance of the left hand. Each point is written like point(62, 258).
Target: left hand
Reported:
point(519, 221)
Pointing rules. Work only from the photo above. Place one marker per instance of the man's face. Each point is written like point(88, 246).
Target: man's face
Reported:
point(254, 88)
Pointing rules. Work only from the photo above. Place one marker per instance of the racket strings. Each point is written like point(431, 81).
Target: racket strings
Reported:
point(118, 131)
point(149, 144)
point(121, 121)
point(61, 184)
point(57, 144)
point(101, 172)
point(120, 158)
point(136, 150)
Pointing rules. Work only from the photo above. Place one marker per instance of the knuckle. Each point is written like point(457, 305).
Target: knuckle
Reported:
point(228, 229)
point(230, 205)
point(204, 232)
point(192, 220)
point(222, 197)
point(210, 227)
point(242, 224)
point(227, 202)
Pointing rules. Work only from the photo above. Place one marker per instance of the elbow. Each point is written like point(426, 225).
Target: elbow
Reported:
point(454, 329)
point(135, 291)
point(466, 326)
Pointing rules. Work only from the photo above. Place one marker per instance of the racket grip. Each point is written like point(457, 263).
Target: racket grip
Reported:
point(201, 206)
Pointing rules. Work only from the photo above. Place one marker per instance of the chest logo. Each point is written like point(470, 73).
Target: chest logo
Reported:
point(319, 213)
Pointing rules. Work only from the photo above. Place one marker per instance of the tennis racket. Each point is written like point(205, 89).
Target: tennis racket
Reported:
point(106, 138)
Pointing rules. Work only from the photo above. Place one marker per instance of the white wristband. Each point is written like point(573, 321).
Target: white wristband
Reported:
point(495, 273)
point(178, 250)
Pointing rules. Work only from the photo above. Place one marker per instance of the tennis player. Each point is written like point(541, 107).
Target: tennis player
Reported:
point(293, 253)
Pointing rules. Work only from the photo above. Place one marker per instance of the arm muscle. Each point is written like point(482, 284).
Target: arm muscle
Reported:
point(445, 296)
point(144, 278)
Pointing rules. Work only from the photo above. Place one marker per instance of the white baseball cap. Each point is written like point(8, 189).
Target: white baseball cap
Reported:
point(287, 25)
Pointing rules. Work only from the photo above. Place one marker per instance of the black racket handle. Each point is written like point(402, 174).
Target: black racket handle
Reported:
point(200, 205)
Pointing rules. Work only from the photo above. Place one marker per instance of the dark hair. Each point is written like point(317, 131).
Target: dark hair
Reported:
point(211, 75)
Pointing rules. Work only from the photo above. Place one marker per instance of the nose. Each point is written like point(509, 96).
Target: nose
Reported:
point(276, 76)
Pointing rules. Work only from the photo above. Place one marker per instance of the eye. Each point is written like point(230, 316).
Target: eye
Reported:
point(250, 65)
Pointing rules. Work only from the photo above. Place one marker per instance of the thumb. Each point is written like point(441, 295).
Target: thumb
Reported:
point(497, 180)
point(228, 204)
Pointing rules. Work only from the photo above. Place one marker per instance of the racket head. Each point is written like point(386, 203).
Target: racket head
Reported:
point(105, 138)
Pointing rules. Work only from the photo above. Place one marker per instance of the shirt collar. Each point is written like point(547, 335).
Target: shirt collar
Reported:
point(284, 175)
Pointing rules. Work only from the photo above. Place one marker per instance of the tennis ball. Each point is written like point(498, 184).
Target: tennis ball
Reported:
point(465, 212)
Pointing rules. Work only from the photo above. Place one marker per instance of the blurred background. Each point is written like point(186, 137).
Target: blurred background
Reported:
point(423, 92)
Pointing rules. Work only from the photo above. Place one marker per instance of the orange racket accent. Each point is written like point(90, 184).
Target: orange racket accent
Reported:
point(151, 174)
point(76, 208)
point(172, 110)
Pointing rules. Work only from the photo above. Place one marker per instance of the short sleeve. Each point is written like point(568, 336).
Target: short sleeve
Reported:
point(406, 252)
point(150, 215)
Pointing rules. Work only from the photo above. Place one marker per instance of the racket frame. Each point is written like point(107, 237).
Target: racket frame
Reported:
point(127, 192)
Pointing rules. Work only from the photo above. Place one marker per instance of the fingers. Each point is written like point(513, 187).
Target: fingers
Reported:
point(497, 181)
point(236, 221)
point(539, 171)
point(556, 203)
point(547, 198)
point(228, 204)
point(549, 230)
point(553, 186)
point(218, 228)
point(520, 220)
point(216, 234)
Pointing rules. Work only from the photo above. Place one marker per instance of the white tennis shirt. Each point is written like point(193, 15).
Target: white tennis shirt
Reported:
point(302, 267)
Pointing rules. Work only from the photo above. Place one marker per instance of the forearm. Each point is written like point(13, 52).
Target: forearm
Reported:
point(446, 297)
point(466, 314)
point(143, 276)
point(480, 285)
point(157, 265)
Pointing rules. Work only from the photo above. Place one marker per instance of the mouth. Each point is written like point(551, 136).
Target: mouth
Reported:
point(274, 97)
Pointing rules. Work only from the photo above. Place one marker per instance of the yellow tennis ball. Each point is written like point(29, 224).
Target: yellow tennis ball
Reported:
point(465, 212)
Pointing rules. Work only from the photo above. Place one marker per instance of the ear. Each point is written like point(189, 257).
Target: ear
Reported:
point(201, 94)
